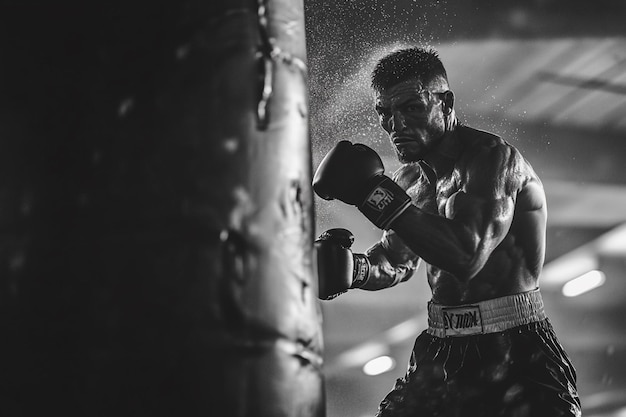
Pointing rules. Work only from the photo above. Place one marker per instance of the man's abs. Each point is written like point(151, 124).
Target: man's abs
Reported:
point(505, 273)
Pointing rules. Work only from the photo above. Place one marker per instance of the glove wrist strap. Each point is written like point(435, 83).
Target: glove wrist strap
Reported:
point(385, 201)
point(361, 271)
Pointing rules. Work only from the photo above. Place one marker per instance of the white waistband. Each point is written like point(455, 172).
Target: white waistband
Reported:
point(488, 316)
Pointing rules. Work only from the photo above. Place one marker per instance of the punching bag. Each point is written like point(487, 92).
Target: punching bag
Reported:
point(156, 211)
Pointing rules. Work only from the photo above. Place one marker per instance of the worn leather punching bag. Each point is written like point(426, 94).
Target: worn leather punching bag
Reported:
point(156, 211)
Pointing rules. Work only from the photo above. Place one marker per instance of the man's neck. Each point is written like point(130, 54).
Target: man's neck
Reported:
point(441, 158)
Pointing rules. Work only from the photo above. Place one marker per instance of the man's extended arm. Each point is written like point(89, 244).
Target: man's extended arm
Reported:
point(385, 264)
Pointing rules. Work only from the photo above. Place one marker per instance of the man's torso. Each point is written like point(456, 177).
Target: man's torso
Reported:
point(514, 264)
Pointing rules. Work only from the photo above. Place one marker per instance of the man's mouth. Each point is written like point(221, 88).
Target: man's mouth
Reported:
point(402, 140)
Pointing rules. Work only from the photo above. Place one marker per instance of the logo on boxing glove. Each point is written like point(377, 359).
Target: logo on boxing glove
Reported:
point(379, 199)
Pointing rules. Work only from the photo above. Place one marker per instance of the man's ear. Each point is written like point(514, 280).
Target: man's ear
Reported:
point(448, 102)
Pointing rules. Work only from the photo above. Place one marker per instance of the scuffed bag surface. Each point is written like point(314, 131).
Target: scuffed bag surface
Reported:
point(523, 371)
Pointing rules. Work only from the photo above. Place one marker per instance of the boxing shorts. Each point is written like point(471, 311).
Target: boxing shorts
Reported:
point(498, 357)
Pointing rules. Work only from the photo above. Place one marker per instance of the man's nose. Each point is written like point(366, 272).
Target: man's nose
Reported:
point(397, 122)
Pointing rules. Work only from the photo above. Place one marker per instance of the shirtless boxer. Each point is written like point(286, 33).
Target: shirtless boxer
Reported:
point(471, 207)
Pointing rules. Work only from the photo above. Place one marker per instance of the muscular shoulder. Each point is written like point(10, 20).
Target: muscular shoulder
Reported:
point(480, 144)
point(492, 165)
point(478, 138)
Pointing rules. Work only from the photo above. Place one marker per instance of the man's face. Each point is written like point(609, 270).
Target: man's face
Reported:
point(413, 116)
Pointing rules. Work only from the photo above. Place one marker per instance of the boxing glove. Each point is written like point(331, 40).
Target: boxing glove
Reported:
point(354, 174)
point(338, 268)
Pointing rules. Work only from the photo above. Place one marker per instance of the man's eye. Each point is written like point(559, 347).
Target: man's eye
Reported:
point(413, 108)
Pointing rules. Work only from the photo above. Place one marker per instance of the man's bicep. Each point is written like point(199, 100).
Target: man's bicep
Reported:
point(486, 219)
point(486, 202)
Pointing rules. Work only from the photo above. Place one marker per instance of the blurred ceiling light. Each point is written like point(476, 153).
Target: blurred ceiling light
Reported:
point(405, 330)
point(584, 258)
point(614, 242)
point(572, 264)
point(357, 356)
point(586, 282)
point(379, 365)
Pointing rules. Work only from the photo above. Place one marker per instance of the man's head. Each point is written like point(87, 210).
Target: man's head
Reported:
point(413, 100)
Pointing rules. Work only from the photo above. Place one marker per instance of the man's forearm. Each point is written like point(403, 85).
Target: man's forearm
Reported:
point(387, 269)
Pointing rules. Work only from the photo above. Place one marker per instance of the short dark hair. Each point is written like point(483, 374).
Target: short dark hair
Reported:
point(416, 62)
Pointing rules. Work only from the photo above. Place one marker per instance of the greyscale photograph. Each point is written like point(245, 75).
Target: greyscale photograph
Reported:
point(313, 208)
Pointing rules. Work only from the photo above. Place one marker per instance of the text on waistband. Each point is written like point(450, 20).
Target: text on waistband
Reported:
point(462, 321)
